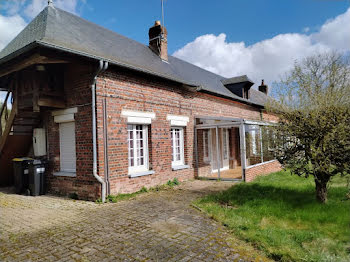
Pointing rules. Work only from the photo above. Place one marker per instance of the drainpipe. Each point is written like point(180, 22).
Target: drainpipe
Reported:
point(102, 67)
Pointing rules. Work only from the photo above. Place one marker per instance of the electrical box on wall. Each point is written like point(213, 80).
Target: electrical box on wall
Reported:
point(39, 142)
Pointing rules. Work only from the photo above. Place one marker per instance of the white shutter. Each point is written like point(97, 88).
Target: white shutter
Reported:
point(67, 147)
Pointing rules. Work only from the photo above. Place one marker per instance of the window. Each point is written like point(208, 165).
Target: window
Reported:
point(268, 143)
point(138, 148)
point(67, 147)
point(225, 143)
point(253, 145)
point(177, 139)
point(206, 145)
point(260, 144)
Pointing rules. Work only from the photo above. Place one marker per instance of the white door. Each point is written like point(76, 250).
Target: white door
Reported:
point(223, 149)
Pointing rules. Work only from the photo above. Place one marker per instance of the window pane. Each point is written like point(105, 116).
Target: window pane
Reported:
point(268, 143)
point(253, 144)
point(137, 154)
point(177, 147)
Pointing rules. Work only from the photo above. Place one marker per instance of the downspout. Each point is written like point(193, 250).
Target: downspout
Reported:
point(102, 67)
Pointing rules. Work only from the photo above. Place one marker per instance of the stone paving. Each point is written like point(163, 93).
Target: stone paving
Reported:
point(158, 226)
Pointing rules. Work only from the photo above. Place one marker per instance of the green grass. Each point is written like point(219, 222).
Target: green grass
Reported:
point(279, 214)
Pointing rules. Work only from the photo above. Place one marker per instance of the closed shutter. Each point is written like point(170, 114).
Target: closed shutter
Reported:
point(67, 147)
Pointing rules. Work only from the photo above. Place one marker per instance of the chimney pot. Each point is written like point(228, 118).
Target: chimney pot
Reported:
point(158, 40)
point(263, 88)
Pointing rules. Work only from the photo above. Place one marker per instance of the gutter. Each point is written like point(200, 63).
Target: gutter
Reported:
point(102, 67)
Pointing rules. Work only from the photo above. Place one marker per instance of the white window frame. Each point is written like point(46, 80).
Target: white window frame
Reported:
point(206, 146)
point(138, 168)
point(180, 162)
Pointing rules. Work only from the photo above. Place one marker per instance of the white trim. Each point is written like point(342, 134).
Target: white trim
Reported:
point(64, 118)
point(178, 123)
point(127, 113)
point(138, 117)
point(145, 173)
point(67, 111)
point(180, 167)
point(139, 120)
point(178, 120)
point(259, 123)
point(263, 163)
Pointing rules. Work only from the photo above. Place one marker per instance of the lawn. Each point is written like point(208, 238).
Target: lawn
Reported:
point(278, 214)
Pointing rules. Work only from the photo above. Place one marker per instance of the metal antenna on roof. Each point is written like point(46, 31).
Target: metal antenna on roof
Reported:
point(162, 5)
point(50, 2)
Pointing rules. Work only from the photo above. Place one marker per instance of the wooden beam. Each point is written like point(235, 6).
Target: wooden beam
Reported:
point(8, 126)
point(51, 102)
point(32, 60)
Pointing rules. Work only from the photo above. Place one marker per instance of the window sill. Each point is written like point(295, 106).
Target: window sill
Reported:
point(144, 173)
point(67, 174)
point(179, 167)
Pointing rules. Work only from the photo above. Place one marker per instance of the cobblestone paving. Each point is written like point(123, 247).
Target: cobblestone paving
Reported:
point(160, 226)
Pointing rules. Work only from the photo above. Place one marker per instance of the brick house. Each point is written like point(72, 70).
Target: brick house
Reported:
point(112, 115)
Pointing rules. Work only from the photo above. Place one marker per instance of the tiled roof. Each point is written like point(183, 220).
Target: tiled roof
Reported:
point(61, 30)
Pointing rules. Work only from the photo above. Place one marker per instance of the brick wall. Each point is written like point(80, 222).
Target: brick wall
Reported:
point(262, 169)
point(124, 90)
point(121, 89)
point(78, 94)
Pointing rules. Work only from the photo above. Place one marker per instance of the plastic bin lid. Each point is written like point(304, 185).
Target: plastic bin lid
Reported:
point(21, 159)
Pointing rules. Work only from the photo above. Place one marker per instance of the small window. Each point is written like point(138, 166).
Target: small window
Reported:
point(177, 139)
point(67, 147)
point(138, 148)
point(206, 145)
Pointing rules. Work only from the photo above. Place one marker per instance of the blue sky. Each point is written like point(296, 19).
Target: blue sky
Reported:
point(241, 20)
point(260, 38)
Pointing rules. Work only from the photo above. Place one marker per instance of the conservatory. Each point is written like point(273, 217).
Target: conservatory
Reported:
point(226, 148)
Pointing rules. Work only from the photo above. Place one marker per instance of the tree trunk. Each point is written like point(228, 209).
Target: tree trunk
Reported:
point(321, 190)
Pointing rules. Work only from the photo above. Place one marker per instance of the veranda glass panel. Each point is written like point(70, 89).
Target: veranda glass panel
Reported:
point(268, 143)
point(253, 144)
point(225, 145)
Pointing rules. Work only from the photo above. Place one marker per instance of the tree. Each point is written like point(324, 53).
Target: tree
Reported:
point(313, 105)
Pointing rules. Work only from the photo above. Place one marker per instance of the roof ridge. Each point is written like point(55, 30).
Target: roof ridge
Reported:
point(101, 27)
point(125, 37)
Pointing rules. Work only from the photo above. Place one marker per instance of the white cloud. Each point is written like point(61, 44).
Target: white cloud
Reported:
point(306, 29)
point(270, 58)
point(17, 13)
point(10, 26)
point(37, 5)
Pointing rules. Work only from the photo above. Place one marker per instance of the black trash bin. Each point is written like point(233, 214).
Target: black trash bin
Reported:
point(37, 177)
point(20, 171)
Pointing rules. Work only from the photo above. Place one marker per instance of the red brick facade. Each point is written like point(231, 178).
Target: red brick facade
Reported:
point(262, 169)
point(126, 90)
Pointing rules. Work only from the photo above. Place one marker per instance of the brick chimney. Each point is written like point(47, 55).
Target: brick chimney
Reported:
point(158, 40)
point(263, 88)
